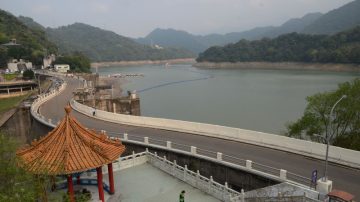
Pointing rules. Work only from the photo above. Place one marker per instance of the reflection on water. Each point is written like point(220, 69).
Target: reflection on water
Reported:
point(262, 100)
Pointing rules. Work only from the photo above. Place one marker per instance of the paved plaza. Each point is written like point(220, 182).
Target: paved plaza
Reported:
point(149, 184)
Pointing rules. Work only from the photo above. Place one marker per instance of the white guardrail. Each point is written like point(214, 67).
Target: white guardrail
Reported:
point(44, 98)
point(307, 148)
point(276, 174)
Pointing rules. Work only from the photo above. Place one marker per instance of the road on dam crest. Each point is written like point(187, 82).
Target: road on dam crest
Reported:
point(344, 178)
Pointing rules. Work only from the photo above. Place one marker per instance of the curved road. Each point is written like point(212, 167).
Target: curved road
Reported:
point(344, 178)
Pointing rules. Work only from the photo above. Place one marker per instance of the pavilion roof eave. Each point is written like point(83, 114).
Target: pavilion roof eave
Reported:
point(69, 148)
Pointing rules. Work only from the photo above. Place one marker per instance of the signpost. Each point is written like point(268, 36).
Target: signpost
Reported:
point(314, 178)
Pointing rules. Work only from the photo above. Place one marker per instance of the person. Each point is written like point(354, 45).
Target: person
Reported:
point(94, 112)
point(182, 196)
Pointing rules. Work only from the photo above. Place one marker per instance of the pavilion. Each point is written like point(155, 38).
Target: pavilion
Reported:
point(71, 148)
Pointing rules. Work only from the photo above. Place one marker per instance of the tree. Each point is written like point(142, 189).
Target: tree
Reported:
point(294, 47)
point(345, 125)
point(3, 57)
point(19, 185)
point(78, 62)
point(28, 74)
point(16, 184)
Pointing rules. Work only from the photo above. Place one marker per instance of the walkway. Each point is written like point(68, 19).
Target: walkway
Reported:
point(344, 178)
point(147, 183)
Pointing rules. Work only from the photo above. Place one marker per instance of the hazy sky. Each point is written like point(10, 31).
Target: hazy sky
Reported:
point(136, 18)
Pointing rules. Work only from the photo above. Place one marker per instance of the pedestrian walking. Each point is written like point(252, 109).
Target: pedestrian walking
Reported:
point(182, 196)
point(94, 112)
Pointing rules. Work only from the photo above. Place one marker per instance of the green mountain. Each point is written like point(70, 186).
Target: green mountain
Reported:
point(340, 19)
point(343, 47)
point(174, 38)
point(33, 42)
point(103, 45)
point(197, 43)
point(29, 22)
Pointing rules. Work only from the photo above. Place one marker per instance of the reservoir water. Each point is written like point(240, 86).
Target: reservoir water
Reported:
point(261, 100)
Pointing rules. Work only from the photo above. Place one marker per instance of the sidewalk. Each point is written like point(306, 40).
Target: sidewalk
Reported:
point(147, 183)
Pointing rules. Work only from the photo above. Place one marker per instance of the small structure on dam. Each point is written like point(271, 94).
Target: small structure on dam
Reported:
point(106, 95)
point(18, 88)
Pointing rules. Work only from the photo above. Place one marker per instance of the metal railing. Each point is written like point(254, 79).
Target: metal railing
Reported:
point(247, 165)
point(266, 169)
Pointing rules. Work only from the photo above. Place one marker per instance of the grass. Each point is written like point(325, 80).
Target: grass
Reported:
point(9, 77)
point(8, 103)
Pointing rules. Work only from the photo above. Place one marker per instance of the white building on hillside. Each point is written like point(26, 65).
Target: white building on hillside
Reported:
point(47, 61)
point(62, 68)
point(18, 66)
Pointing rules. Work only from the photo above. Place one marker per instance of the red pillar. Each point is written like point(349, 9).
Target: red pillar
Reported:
point(70, 188)
point(111, 178)
point(78, 179)
point(100, 184)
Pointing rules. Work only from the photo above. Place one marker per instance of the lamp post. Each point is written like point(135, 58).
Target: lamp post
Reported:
point(328, 137)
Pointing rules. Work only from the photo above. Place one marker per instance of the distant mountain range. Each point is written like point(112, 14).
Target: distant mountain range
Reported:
point(103, 45)
point(197, 43)
point(334, 21)
point(337, 20)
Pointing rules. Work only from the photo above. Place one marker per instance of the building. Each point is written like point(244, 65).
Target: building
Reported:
point(62, 68)
point(19, 65)
point(12, 42)
point(47, 61)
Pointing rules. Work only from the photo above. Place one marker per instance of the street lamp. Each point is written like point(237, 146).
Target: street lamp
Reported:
point(328, 137)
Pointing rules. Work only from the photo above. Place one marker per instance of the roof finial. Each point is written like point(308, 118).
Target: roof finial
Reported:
point(67, 109)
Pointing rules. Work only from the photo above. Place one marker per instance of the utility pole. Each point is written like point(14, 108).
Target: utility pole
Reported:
point(38, 78)
point(329, 136)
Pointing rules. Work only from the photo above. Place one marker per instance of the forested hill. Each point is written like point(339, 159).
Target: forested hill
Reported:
point(343, 47)
point(33, 41)
point(29, 22)
point(337, 20)
point(103, 45)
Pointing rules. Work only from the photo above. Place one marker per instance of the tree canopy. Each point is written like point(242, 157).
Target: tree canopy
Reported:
point(16, 184)
point(28, 74)
point(77, 61)
point(343, 47)
point(344, 127)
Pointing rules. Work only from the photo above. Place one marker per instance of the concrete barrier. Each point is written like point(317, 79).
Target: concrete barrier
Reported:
point(41, 100)
point(307, 148)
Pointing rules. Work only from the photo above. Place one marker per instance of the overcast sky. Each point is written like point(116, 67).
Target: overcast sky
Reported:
point(136, 18)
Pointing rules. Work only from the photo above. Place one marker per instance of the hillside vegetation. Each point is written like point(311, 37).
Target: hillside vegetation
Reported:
point(33, 42)
point(77, 61)
point(102, 45)
point(343, 47)
point(337, 20)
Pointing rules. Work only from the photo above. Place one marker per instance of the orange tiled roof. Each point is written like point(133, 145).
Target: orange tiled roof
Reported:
point(69, 148)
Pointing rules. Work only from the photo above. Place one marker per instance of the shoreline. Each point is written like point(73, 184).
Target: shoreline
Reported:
point(333, 67)
point(143, 62)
